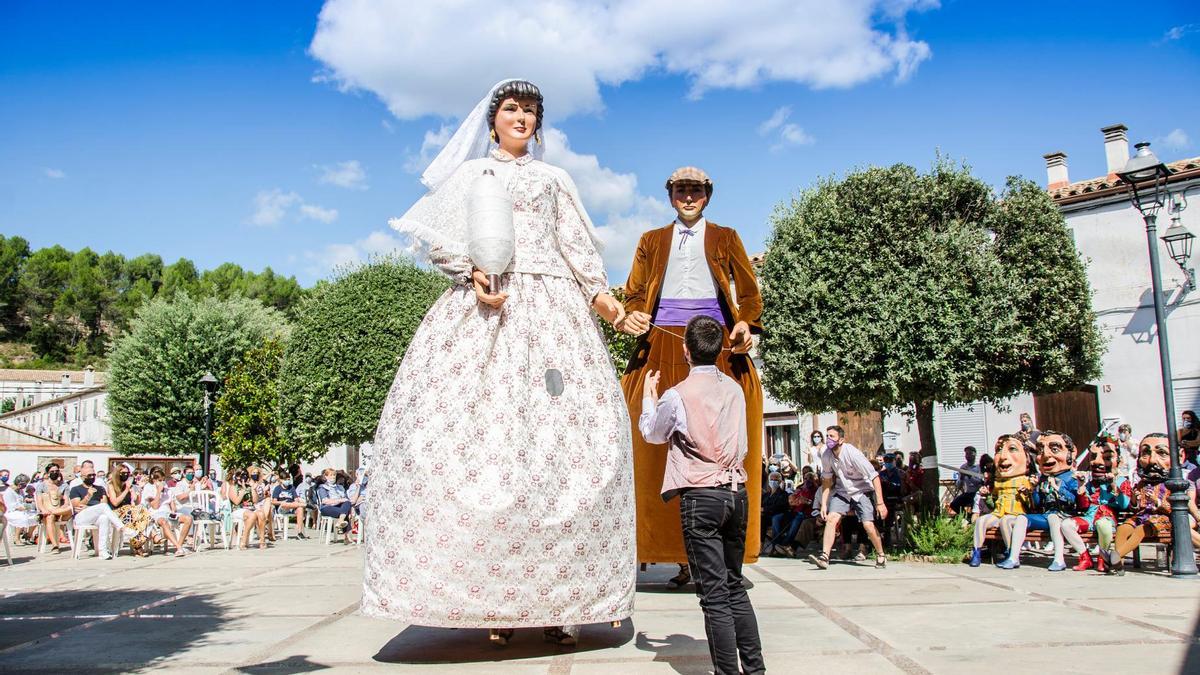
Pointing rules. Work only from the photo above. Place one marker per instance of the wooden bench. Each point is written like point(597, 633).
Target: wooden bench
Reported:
point(995, 540)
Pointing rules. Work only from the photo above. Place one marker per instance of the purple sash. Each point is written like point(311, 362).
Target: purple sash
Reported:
point(677, 312)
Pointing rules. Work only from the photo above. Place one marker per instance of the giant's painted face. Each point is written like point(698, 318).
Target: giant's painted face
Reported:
point(1105, 459)
point(1011, 460)
point(1154, 451)
point(1054, 454)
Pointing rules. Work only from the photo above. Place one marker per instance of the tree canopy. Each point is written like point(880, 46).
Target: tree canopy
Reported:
point(69, 306)
point(891, 288)
point(349, 337)
point(154, 399)
point(246, 428)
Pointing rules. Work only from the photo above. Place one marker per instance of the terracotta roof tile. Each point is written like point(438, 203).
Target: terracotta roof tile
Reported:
point(1107, 185)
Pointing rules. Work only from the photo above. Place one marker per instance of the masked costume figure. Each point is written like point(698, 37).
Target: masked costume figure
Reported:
point(503, 491)
point(1106, 494)
point(1148, 502)
point(679, 272)
point(1008, 494)
point(1057, 496)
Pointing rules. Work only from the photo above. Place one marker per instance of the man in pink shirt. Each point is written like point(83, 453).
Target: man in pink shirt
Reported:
point(703, 419)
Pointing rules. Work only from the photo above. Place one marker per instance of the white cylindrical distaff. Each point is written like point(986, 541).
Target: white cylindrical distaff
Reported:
point(490, 218)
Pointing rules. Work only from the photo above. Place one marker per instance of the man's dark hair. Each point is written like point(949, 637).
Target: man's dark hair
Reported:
point(969, 448)
point(52, 465)
point(704, 339)
point(834, 427)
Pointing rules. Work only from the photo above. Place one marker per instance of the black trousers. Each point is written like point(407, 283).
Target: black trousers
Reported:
point(714, 533)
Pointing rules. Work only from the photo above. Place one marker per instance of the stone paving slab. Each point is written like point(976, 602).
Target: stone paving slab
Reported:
point(292, 608)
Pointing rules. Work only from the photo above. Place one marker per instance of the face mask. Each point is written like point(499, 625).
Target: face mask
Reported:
point(287, 483)
point(774, 484)
point(1187, 424)
point(816, 440)
point(189, 475)
point(124, 476)
point(89, 481)
point(773, 467)
point(254, 476)
point(830, 443)
point(888, 465)
point(1124, 436)
point(1025, 426)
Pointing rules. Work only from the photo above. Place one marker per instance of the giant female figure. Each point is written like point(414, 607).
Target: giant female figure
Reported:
point(503, 492)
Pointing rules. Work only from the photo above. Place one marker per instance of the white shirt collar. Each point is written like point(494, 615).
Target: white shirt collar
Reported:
point(704, 369)
point(697, 228)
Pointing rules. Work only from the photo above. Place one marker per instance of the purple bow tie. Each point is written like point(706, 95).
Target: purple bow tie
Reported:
point(684, 233)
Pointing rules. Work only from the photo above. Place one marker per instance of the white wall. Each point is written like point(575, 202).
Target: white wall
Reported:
point(1113, 237)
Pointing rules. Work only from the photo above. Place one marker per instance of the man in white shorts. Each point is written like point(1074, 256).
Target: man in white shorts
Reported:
point(857, 490)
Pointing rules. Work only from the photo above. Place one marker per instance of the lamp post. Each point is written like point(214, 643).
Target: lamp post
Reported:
point(210, 385)
point(1146, 177)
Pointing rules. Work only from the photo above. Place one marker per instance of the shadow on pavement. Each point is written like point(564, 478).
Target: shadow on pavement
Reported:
point(1191, 662)
point(684, 653)
point(424, 645)
point(101, 630)
point(288, 664)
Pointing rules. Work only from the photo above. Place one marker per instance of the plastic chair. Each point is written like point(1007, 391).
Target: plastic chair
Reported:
point(44, 533)
point(206, 501)
point(115, 542)
point(4, 536)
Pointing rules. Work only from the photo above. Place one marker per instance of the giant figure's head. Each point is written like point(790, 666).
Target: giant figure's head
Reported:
point(1011, 458)
point(1055, 453)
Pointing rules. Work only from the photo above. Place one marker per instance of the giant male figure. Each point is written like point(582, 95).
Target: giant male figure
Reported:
point(690, 267)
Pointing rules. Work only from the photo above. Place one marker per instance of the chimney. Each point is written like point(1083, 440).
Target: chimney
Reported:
point(1056, 170)
point(66, 379)
point(1116, 147)
point(89, 376)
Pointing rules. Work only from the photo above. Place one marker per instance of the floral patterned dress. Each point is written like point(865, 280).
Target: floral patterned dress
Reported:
point(496, 500)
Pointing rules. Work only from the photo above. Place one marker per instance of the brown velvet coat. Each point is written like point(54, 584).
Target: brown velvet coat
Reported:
point(659, 535)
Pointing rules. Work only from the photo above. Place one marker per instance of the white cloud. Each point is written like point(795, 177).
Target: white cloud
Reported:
point(54, 173)
point(621, 213)
point(314, 212)
point(572, 47)
point(786, 133)
point(349, 174)
point(378, 243)
point(1177, 32)
point(271, 207)
point(387, 126)
point(1176, 140)
point(433, 141)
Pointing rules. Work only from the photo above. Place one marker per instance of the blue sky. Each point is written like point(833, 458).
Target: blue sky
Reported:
point(223, 132)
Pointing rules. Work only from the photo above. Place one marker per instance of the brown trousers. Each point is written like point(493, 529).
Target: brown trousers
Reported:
point(659, 534)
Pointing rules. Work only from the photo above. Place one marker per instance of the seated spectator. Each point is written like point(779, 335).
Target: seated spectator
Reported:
point(129, 510)
point(251, 502)
point(776, 512)
point(968, 481)
point(891, 478)
point(90, 502)
point(165, 511)
point(358, 493)
point(286, 501)
point(54, 507)
point(334, 501)
point(19, 508)
point(83, 469)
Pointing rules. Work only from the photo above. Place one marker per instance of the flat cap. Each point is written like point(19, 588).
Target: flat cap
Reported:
point(689, 174)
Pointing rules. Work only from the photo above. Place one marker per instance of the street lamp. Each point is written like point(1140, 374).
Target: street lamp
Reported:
point(1179, 240)
point(210, 385)
point(1146, 177)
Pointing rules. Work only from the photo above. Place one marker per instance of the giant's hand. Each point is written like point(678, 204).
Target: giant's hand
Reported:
point(636, 323)
point(609, 308)
point(739, 338)
point(480, 281)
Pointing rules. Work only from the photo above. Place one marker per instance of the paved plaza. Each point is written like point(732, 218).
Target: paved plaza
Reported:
point(293, 609)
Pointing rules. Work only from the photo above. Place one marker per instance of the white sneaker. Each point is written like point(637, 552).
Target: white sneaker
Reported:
point(105, 555)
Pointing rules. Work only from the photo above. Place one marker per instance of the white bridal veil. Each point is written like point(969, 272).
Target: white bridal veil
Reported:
point(438, 221)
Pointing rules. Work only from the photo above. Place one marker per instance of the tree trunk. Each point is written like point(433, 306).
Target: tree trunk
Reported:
point(928, 449)
point(351, 458)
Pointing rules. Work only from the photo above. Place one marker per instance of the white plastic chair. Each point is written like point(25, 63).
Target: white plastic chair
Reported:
point(115, 542)
point(44, 533)
point(280, 521)
point(206, 500)
point(325, 527)
point(4, 536)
